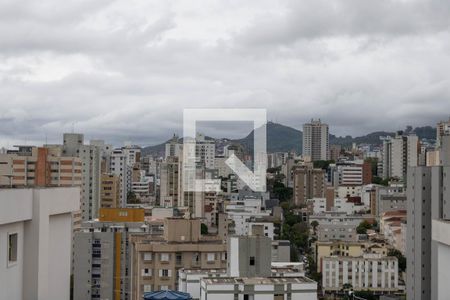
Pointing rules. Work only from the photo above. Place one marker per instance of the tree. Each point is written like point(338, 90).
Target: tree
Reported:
point(132, 198)
point(373, 164)
point(368, 295)
point(380, 181)
point(281, 192)
point(203, 229)
point(401, 258)
point(363, 226)
point(322, 164)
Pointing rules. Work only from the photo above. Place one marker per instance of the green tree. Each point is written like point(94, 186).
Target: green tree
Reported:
point(132, 198)
point(368, 295)
point(363, 227)
point(380, 181)
point(401, 259)
point(373, 164)
point(322, 164)
point(281, 192)
point(203, 229)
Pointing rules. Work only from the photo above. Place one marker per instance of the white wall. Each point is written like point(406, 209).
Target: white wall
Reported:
point(11, 276)
point(59, 251)
point(43, 219)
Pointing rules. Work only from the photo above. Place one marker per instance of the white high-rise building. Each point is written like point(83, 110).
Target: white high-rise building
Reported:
point(316, 144)
point(205, 151)
point(35, 242)
point(119, 166)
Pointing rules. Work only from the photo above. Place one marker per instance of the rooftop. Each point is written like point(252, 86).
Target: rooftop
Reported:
point(257, 280)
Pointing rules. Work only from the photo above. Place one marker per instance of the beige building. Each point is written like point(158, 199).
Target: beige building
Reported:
point(308, 183)
point(38, 166)
point(170, 182)
point(371, 272)
point(157, 260)
point(109, 191)
point(347, 249)
point(31, 166)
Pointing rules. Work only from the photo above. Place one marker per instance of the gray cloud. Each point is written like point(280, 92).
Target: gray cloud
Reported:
point(124, 71)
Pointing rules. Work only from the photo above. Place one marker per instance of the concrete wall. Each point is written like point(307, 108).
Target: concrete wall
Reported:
point(43, 220)
point(11, 275)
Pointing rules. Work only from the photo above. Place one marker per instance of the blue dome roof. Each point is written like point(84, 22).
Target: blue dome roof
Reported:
point(167, 295)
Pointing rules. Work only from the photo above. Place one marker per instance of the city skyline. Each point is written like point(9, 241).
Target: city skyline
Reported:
point(222, 131)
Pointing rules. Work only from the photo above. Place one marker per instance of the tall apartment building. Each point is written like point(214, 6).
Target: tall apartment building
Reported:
point(133, 154)
point(170, 182)
point(35, 242)
point(90, 156)
point(120, 168)
point(157, 260)
point(308, 183)
point(371, 272)
point(30, 166)
point(39, 166)
point(110, 191)
point(428, 192)
point(399, 153)
point(102, 254)
point(205, 151)
point(316, 140)
point(174, 148)
point(442, 128)
point(421, 209)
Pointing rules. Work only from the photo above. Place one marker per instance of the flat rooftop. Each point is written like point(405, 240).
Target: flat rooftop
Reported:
point(258, 280)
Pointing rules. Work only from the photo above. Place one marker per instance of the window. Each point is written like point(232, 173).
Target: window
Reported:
point(196, 258)
point(12, 248)
point(252, 260)
point(224, 256)
point(147, 256)
point(146, 272)
point(210, 257)
point(147, 288)
point(164, 257)
point(163, 287)
point(165, 273)
point(178, 258)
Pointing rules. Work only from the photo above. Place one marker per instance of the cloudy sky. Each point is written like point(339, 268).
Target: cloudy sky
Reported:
point(125, 70)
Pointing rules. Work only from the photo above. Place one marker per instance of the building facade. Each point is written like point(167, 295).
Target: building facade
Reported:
point(316, 144)
point(36, 239)
point(102, 254)
point(308, 183)
point(157, 259)
point(369, 272)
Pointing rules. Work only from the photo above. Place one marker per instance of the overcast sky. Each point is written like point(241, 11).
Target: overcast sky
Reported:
point(125, 70)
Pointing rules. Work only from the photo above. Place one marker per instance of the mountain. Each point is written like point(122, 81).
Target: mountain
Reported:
point(281, 138)
point(156, 150)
